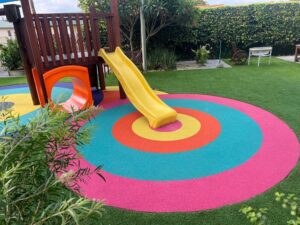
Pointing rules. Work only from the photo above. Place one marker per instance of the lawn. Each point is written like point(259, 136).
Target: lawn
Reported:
point(7, 81)
point(276, 88)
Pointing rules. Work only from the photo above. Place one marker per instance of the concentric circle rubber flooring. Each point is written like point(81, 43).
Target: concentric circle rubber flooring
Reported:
point(219, 152)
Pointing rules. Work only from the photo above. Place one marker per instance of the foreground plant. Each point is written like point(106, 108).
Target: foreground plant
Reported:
point(255, 216)
point(31, 156)
point(288, 201)
point(292, 203)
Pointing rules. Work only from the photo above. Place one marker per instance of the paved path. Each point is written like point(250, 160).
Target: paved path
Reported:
point(192, 65)
point(290, 58)
point(3, 73)
point(15, 73)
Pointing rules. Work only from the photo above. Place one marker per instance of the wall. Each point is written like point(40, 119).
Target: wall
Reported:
point(4, 35)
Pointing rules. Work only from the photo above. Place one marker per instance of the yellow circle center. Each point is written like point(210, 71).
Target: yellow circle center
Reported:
point(190, 126)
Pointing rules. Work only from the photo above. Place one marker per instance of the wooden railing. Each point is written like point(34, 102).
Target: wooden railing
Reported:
point(71, 38)
point(50, 40)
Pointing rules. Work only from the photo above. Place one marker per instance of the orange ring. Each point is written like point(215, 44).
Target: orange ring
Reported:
point(210, 130)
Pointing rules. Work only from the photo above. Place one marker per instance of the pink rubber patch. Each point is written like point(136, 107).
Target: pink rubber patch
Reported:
point(273, 162)
point(170, 127)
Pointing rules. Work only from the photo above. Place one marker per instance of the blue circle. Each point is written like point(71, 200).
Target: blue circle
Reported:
point(239, 140)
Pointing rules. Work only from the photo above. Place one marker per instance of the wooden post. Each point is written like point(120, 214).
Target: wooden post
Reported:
point(101, 76)
point(13, 15)
point(297, 47)
point(32, 40)
point(32, 6)
point(96, 45)
point(114, 6)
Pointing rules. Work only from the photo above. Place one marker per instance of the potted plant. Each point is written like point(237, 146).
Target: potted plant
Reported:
point(202, 54)
point(10, 58)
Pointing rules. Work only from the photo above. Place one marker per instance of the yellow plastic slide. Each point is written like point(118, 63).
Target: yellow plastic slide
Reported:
point(138, 90)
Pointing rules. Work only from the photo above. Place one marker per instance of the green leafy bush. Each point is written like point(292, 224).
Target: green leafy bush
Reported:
point(33, 169)
point(161, 59)
point(270, 24)
point(10, 55)
point(274, 25)
point(202, 54)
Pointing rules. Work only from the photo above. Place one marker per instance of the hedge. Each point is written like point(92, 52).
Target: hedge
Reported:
point(275, 24)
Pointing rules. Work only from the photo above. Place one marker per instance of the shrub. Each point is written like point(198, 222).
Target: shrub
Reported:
point(31, 158)
point(161, 59)
point(10, 55)
point(274, 25)
point(271, 24)
point(178, 38)
point(201, 54)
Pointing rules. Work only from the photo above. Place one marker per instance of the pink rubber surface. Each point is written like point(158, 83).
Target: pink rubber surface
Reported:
point(170, 127)
point(275, 159)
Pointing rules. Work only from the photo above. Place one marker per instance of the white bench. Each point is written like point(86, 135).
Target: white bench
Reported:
point(260, 52)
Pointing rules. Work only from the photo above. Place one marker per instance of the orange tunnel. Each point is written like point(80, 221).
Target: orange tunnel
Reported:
point(82, 95)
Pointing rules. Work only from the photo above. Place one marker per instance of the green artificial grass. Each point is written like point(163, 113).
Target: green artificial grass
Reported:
point(276, 88)
point(7, 81)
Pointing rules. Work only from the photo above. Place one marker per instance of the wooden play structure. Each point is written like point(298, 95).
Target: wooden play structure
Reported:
point(48, 41)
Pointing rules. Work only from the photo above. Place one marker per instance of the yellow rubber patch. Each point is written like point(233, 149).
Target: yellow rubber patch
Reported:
point(22, 103)
point(190, 127)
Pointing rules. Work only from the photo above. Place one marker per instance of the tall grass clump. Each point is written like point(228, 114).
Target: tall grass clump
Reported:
point(161, 59)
